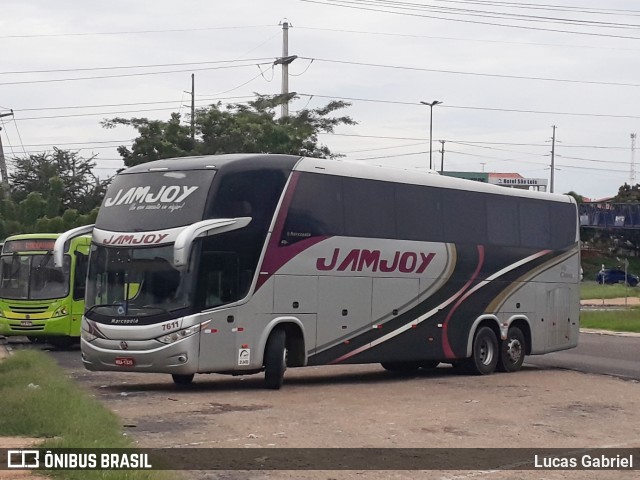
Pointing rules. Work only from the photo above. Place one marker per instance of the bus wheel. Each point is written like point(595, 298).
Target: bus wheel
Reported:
point(182, 380)
point(275, 359)
point(512, 351)
point(401, 366)
point(484, 356)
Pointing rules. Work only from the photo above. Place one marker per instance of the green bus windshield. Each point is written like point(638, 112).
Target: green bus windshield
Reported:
point(33, 277)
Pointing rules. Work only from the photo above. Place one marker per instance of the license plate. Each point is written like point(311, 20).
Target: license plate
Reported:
point(26, 323)
point(125, 362)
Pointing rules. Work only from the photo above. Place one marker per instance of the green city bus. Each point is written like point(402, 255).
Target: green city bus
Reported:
point(38, 300)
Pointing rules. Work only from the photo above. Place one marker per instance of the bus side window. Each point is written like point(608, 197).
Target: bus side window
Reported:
point(80, 276)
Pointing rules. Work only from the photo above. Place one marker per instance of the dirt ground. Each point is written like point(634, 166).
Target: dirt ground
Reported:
point(365, 406)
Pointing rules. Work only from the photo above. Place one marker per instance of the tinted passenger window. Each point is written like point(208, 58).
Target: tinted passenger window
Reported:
point(563, 225)
point(464, 217)
point(249, 194)
point(419, 213)
point(316, 209)
point(502, 221)
point(534, 224)
point(368, 208)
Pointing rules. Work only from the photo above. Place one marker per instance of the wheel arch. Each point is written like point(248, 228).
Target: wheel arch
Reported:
point(488, 320)
point(521, 322)
point(294, 329)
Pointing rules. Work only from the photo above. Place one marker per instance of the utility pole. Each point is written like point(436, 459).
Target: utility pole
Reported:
point(431, 105)
point(3, 163)
point(632, 175)
point(553, 155)
point(285, 60)
point(442, 157)
point(193, 106)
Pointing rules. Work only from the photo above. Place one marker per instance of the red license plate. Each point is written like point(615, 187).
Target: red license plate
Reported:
point(125, 362)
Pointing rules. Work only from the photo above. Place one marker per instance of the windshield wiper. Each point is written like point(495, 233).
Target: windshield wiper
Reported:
point(45, 259)
point(126, 312)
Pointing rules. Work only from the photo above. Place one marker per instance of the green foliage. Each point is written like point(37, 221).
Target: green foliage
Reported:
point(613, 320)
point(51, 193)
point(63, 179)
point(627, 194)
point(579, 198)
point(591, 290)
point(38, 400)
point(236, 128)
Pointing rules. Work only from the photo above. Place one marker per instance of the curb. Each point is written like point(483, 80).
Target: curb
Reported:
point(593, 331)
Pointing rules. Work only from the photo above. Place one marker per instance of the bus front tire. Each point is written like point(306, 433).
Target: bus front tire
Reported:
point(181, 380)
point(275, 359)
point(512, 352)
point(485, 354)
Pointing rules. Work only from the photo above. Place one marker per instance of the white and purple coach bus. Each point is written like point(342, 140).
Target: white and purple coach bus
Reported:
point(243, 263)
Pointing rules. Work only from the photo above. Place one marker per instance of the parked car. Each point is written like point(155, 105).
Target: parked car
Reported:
point(615, 275)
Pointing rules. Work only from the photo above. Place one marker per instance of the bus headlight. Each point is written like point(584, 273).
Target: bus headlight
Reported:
point(179, 335)
point(61, 312)
point(87, 336)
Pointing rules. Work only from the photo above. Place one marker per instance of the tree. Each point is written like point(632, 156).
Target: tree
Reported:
point(579, 198)
point(237, 128)
point(627, 194)
point(63, 178)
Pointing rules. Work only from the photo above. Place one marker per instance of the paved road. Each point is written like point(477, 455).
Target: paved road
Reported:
point(597, 353)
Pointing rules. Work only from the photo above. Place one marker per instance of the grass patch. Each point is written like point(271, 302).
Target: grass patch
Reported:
point(593, 290)
point(614, 320)
point(38, 400)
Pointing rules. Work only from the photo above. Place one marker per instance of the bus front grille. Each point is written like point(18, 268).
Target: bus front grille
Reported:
point(33, 328)
point(28, 308)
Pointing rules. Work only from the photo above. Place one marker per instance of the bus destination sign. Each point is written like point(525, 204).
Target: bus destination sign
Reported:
point(32, 244)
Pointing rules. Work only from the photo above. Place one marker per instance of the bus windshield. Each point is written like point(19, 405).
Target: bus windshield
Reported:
point(125, 282)
point(33, 277)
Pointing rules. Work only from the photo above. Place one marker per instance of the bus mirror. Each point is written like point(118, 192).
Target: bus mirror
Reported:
point(204, 228)
point(61, 241)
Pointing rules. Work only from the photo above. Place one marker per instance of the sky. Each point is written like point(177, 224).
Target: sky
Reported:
point(505, 72)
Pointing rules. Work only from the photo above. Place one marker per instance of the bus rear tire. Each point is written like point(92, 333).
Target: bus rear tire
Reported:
point(275, 359)
point(181, 380)
point(512, 352)
point(485, 353)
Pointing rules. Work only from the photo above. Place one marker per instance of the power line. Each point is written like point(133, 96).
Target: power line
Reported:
point(128, 67)
point(474, 40)
point(477, 74)
point(486, 13)
point(542, 6)
point(477, 22)
point(140, 74)
point(132, 32)
point(468, 107)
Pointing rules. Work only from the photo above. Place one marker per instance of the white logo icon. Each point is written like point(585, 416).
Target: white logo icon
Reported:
point(23, 459)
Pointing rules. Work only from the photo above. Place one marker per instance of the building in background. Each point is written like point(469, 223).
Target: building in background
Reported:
point(512, 180)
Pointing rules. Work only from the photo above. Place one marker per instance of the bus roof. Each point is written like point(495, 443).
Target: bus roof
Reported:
point(236, 161)
point(245, 161)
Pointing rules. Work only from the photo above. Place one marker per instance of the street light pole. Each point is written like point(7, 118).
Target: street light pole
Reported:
point(431, 105)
